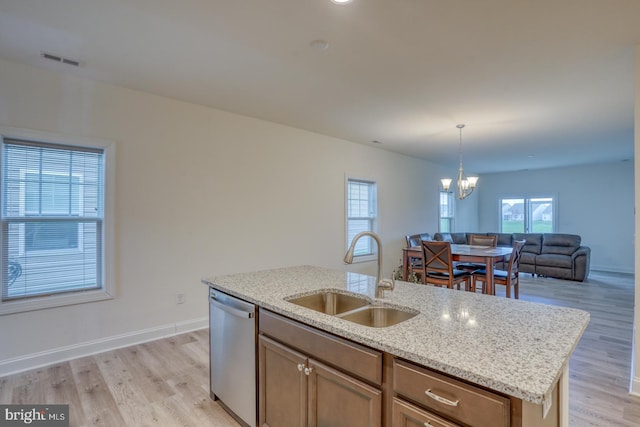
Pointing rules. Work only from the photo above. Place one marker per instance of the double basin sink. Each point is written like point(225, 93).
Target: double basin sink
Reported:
point(356, 309)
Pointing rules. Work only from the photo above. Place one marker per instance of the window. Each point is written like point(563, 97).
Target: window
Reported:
point(54, 241)
point(446, 212)
point(47, 194)
point(362, 215)
point(527, 215)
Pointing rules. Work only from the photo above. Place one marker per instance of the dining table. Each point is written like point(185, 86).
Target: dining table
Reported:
point(487, 255)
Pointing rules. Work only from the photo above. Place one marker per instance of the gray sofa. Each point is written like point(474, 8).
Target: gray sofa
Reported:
point(546, 254)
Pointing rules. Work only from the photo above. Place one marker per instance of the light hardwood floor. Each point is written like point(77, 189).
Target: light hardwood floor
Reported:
point(166, 382)
point(600, 367)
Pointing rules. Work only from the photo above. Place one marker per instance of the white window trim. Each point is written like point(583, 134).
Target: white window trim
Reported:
point(374, 255)
point(108, 268)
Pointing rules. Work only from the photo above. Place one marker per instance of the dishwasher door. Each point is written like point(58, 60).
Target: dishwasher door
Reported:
point(232, 328)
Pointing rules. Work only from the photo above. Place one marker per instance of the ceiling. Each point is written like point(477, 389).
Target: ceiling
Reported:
point(538, 84)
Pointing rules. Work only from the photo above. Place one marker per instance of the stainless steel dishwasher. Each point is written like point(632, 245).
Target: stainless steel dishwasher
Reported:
point(232, 327)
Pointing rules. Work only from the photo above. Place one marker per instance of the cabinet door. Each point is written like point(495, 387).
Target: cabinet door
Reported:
point(338, 400)
point(407, 415)
point(283, 385)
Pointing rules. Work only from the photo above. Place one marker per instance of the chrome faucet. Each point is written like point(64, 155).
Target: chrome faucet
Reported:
point(381, 284)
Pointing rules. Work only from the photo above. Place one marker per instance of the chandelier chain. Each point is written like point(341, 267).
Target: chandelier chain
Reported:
point(460, 146)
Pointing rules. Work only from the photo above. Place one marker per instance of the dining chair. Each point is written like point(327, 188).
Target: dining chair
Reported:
point(438, 266)
point(483, 240)
point(412, 240)
point(478, 240)
point(508, 278)
point(416, 266)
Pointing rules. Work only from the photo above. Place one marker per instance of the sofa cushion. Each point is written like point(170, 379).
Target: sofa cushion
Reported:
point(426, 236)
point(416, 239)
point(554, 260)
point(527, 258)
point(455, 238)
point(459, 238)
point(504, 239)
point(533, 243)
point(557, 243)
point(443, 237)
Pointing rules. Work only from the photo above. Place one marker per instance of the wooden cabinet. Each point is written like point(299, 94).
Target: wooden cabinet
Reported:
point(308, 377)
point(297, 389)
point(408, 415)
point(423, 397)
point(337, 399)
point(454, 400)
point(359, 361)
point(282, 385)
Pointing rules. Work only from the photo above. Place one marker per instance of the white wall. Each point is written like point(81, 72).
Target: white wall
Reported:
point(199, 192)
point(594, 201)
point(466, 212)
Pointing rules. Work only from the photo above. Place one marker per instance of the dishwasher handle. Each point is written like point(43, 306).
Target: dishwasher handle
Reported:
point(231, 310)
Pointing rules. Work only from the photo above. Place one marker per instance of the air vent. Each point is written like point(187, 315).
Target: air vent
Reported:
point(60, 59)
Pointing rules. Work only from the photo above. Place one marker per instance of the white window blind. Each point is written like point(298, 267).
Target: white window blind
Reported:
point(52, 219)
point(446, 212)
point(362, 213)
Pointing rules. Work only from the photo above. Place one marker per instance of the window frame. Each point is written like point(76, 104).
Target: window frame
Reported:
point(527, 198)
point(107, 291)
point(373, 218)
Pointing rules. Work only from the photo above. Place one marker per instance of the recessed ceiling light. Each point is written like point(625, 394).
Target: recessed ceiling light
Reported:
point(319, 44)
point(341, 1)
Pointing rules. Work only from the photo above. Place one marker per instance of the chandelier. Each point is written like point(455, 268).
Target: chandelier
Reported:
point(466, 185)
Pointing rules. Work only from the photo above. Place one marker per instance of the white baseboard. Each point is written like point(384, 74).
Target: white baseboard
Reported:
point(61, 354)
point(609, 269)
point(635, 386)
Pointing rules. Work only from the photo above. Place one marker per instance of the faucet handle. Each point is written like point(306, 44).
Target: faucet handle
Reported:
point(384, 284)
point(388, 284)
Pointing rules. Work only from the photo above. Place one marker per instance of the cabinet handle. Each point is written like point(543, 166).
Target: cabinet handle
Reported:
point(300, 366)
point(307, 371)
point(441, 399)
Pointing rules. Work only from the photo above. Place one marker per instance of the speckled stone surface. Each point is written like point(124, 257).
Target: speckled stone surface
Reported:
point(514, 347)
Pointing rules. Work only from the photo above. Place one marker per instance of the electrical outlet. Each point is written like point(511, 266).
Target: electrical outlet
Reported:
point(180, 298)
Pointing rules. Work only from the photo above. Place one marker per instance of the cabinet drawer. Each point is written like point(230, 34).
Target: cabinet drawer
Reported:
point(358, 360)
point(408, 415)
point(454, 399)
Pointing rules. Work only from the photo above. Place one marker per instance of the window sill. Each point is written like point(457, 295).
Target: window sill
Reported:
point(40, 303)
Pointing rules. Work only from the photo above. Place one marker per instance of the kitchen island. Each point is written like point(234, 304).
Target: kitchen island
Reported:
point(517, 349)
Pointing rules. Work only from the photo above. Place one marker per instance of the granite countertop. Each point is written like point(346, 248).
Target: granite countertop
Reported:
point(515, 347)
